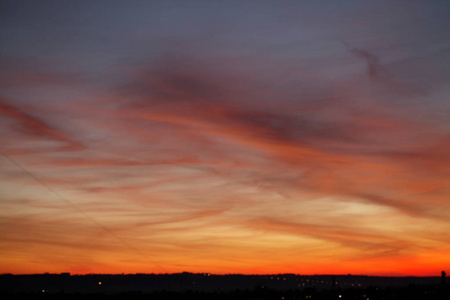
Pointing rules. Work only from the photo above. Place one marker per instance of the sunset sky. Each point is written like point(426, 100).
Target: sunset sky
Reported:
point(308, 137)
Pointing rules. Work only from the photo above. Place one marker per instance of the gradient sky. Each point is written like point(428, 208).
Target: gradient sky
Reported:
point(308, 137)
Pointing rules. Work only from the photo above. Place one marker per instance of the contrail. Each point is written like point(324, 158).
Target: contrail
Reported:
point(76, 208)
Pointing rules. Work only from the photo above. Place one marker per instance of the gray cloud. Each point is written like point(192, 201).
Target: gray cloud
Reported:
point(35, 127)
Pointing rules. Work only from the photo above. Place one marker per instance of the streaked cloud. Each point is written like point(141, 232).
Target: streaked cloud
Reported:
point(292, 139)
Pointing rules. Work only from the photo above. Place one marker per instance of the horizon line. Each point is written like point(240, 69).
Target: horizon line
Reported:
point(216, 274)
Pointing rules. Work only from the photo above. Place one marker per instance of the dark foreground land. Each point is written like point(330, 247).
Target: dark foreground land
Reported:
point(187, 286)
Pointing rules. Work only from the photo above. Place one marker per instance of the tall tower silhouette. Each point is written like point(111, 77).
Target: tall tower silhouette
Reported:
point(443, 278)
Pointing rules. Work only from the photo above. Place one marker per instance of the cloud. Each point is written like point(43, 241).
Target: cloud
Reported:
point(367, 243)
point(36, 79)
point(238, 141)
point(372, 61)
point(181, 151)
point(206, 102)
point(353, 144)
point(34, 127)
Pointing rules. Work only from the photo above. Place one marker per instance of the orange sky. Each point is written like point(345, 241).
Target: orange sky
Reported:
point(225, 138)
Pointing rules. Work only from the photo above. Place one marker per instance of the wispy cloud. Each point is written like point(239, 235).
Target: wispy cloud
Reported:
point(230, 145)
point(33, 127)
